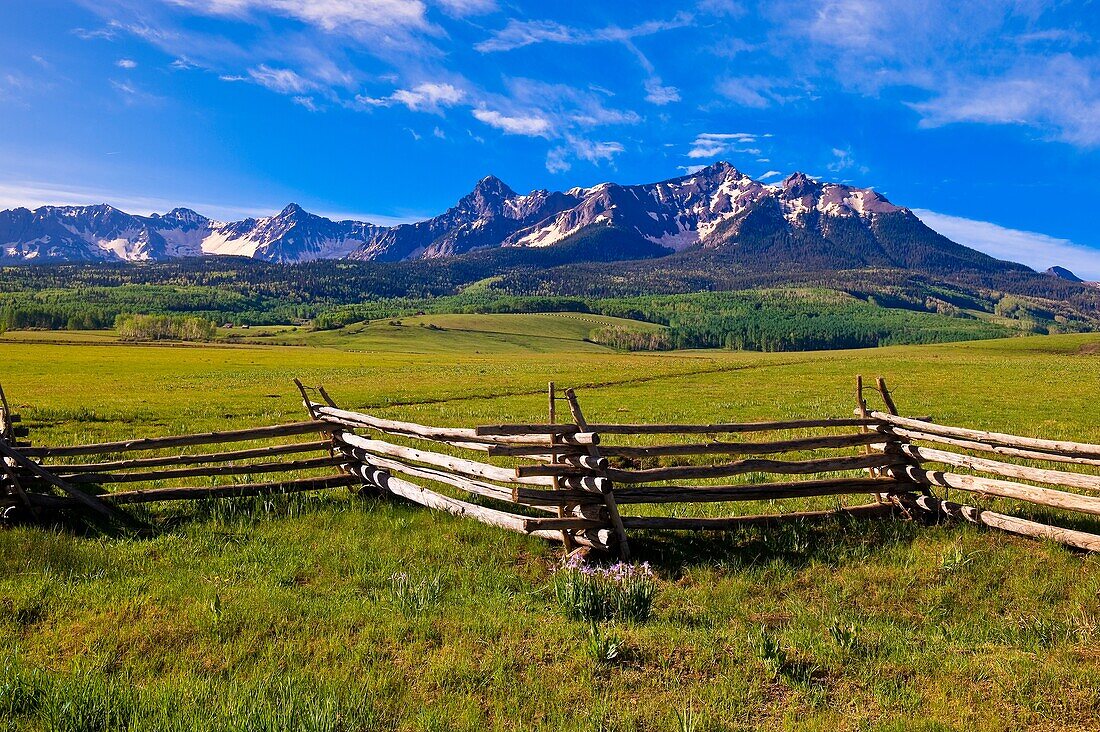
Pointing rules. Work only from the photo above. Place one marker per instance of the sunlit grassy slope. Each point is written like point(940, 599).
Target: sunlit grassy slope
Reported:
point(280, 616)
point(443, 333)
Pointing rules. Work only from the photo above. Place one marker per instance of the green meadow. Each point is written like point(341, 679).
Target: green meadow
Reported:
point(283, 613)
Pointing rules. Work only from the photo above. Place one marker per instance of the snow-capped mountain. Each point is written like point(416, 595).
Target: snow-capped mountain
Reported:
point(483, 218)
point(800, 220)
point(294, 235)
point(103, 233)
point(676, 213)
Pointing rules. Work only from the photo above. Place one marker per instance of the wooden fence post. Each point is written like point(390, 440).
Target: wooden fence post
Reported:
point(330, 432)
point(865, 413)
point(606, 487)
point(563, 511)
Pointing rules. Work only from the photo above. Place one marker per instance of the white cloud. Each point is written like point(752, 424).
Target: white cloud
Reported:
point(660, 95)
point(126, 63)
point(566, 105)
point(329, 15)
point(322, 43)
point(1002, 62)
point(428, 96)
point(132, 94)
point(769, 174)
point(731, 8)
point(557, 160)
point(707, 150)
point(307, 103)
point(843, 160)
point(439, 133)
point(689, 169)
point(1061, 94)
point(531, 125)
point(592, 151)
point(424, 97)
point(284, 81)
point(1037, 251)
point(520, 33)
point(462, 8)
point(85, 34)
point(713, 144)
point(756, 92)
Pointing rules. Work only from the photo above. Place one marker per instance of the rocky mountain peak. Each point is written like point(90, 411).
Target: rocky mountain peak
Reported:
point(800, 184)
point(720, 169)
point(182, 216)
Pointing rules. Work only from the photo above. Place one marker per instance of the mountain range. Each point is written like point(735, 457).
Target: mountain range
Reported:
point(802, 220)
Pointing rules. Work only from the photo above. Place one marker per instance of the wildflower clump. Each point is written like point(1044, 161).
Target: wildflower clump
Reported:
point(618, 592)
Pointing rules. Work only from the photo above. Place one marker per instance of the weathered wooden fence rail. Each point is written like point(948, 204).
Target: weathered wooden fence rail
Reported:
point(570, 481)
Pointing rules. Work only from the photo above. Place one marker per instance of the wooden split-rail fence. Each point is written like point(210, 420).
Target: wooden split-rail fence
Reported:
point(575, 481)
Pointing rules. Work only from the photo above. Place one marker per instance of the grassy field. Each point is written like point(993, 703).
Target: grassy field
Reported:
point(452, 333)
point(282, 615)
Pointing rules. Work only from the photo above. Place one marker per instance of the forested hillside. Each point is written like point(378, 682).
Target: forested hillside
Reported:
point(705, 298)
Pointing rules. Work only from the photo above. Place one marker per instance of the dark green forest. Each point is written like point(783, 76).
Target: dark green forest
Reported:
point(704, 300)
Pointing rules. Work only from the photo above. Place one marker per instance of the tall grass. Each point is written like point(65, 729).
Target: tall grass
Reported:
point(88, 700)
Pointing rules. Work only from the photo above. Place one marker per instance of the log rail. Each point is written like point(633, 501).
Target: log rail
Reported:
point(580, 482)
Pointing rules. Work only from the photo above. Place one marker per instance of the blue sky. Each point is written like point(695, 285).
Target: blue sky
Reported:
point(983, 116)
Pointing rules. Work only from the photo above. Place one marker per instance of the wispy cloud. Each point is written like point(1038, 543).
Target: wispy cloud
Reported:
point(566, 105)
point(520, 33)
point(529, 125)
point(843, 160)
point(660, 95)
point(126, 63)
point(757, 92)
point(463, 8)
point(307, 103)
point(93, 34)
point(994, 62)
point(714, 144)
point(329, 15)
point(558, 159)
point(131, 93)
point(284, 81)
point(1061, 94)
point(424, 97)
point(1037, 251)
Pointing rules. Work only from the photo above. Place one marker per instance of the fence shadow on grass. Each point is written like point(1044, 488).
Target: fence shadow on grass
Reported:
point(833, 542)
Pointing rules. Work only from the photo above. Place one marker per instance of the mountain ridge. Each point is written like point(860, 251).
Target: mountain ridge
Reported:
point(800, 219)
